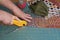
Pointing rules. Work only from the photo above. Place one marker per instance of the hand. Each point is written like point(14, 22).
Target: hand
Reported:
point(16, 10)
point(7, 18)
point(22, 15)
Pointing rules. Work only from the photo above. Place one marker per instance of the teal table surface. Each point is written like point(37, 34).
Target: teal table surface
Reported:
point(28, 32)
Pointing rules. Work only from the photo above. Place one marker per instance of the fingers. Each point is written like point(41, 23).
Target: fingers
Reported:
point(28, 15)
point(16, 18)
point(27, 20)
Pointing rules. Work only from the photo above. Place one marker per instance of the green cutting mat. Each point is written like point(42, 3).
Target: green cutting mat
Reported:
point(32, 33)
point(28, 33)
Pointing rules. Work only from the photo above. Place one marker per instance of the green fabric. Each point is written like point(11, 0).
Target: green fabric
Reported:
point(40, 8)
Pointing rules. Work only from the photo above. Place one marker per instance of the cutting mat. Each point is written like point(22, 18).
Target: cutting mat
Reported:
point(33, 33)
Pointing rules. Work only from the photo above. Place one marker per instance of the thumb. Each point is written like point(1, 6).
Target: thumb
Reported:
point(14, 18)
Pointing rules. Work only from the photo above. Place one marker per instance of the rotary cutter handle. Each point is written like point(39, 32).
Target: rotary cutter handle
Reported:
point(19, 23)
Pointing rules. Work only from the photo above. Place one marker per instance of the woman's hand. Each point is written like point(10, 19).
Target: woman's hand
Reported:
point(7, 18)
point(16, 10)
point(22, 15)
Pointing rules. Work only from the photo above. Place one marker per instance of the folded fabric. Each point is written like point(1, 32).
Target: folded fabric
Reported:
point(40, 9)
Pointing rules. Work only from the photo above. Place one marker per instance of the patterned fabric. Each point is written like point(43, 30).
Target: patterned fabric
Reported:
point(53, 9)
point(50, 21)
point(53, 22)
point(57, 2)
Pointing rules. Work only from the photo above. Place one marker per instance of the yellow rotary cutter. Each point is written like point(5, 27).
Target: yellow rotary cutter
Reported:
point(19, 23)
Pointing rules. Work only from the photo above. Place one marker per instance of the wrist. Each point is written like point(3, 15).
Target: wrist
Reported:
point(16, 10)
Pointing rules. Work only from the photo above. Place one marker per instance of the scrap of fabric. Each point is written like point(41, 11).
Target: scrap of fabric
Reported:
point(57, 2)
